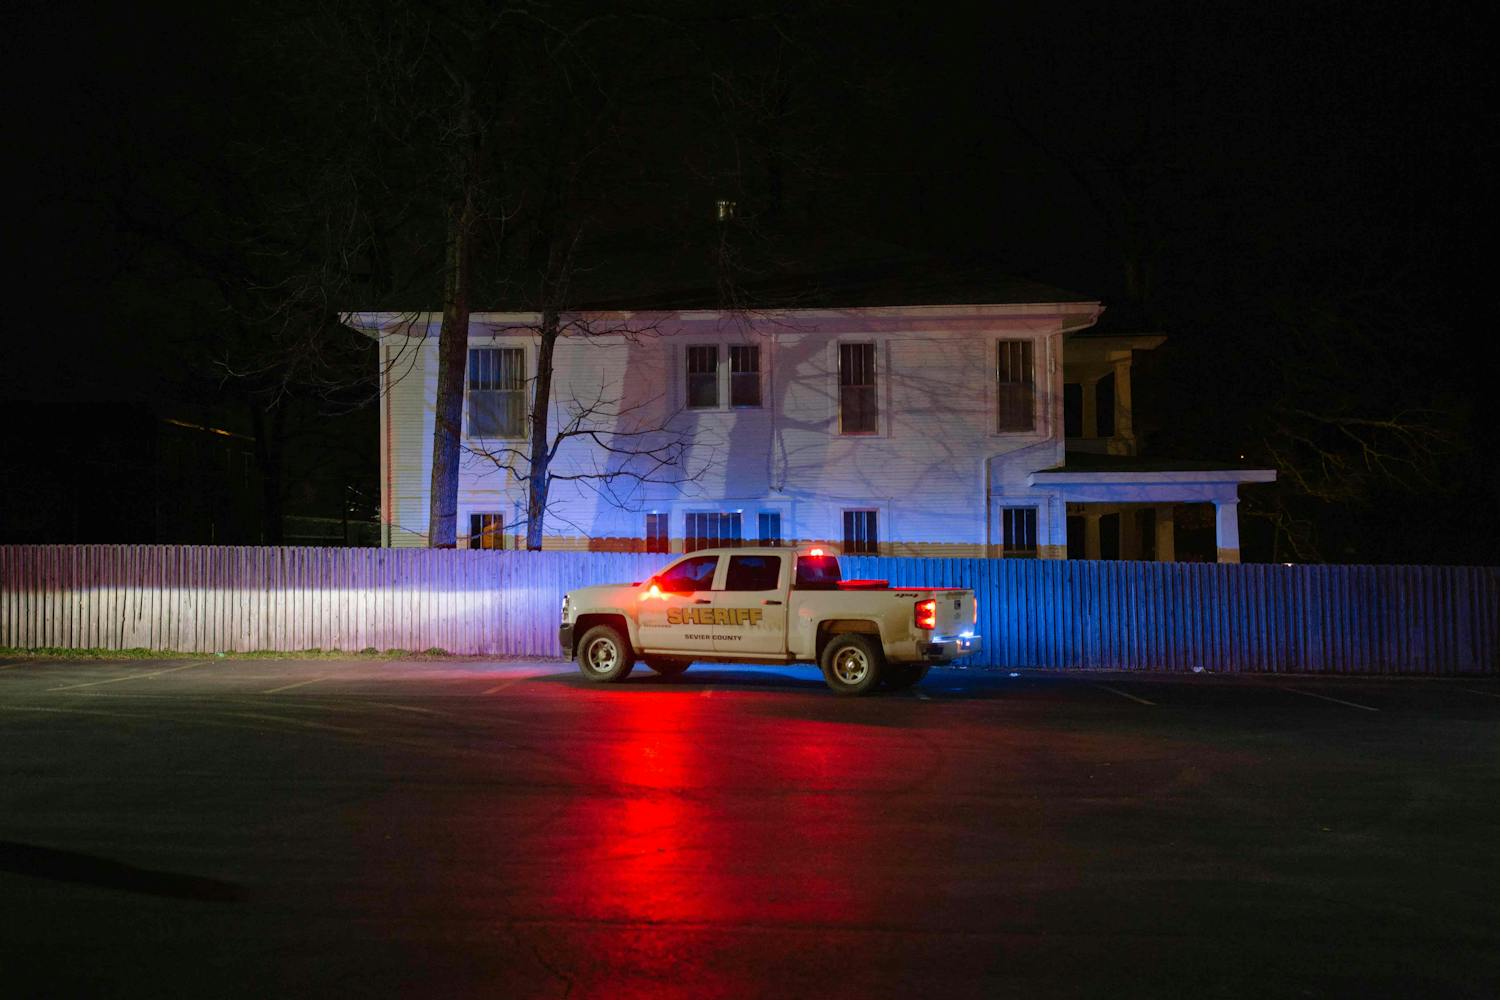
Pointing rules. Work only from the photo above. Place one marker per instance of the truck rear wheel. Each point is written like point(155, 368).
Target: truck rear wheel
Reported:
point(852, 663)
point(900, 676)
point(668, 666)
point(605, 655)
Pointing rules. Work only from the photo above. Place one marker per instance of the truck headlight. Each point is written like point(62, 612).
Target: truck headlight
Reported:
point(565, 608)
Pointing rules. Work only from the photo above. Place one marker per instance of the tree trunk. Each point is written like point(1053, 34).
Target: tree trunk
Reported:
point(541, 397)
point(268, 452)
point(453, 346)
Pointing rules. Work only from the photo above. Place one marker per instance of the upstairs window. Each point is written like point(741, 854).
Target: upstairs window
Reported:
point(486, 531)
point(1073, 410)
point(713, 531)
point(497, 392)
point(860, 537)
point(858, 409)
point(1018, 532)
point(1015, 387)
point(703, 376)
point(657, 536)
point(744, 375)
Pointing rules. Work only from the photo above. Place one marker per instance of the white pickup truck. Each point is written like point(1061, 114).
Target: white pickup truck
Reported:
point(768, 605)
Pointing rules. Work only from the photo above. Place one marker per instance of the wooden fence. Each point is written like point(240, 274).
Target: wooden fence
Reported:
point(1063, 614)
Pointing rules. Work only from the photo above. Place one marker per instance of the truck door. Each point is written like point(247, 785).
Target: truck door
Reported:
point(751, 609)
point(679, 618)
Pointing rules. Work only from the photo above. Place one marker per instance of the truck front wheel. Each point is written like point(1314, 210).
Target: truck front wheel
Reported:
point(852, 663)
point(605, 655)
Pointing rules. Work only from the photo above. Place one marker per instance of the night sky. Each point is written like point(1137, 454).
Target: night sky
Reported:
point(1290, 192)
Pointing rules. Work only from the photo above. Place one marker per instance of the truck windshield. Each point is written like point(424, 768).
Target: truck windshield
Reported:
point(818, 573)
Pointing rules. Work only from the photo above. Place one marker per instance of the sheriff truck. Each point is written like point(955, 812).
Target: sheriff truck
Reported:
point(768, 605)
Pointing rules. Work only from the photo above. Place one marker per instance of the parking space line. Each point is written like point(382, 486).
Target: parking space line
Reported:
point(921, 696)
point(7, 664)
point(288, 687)
point(503, 685)
point(1487, 694)
point(1336, 701)
point(130, 677)
point(1125, 694)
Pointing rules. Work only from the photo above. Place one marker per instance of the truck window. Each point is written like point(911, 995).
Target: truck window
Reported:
point(818, 573)
point(753, 573)
point(689, 575)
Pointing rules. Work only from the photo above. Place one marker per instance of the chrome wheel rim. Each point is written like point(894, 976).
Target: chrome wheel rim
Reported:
point(602, 656)
point(850, 665)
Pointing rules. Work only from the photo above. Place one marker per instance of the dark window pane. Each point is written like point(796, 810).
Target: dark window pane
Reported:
point(744, 375)
point(1015, 387)
point(712, 530)
point(859, 533)
point(497, 392)
point(1109, 536)
point(689, 575)
point(1018, 532)
point(858, 409)
point(703, 376)
point(818, 573)
point(657, 539)
point(753, 573)
point(770, 527)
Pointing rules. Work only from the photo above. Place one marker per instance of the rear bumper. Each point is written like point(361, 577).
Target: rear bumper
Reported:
point(950, 647)
point(565, 639)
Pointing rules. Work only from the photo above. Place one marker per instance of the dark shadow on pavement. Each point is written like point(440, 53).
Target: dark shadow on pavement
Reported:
point(88, 869)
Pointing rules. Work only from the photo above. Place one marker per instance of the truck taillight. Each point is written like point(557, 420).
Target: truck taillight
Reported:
point(926, 615)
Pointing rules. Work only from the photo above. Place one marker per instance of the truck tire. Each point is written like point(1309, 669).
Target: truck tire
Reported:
point(604, 655)
point(668, 666)
point(900, 676)
point(852, 663)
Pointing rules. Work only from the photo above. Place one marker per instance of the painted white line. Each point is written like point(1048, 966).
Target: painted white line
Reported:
point(288, 687)
point(706, 693)
point(1336, 701)
point(1125, 694)
point(1487, 694)
point(130, 677)
point(921, 696)
point(300, 723)
point(504, 684)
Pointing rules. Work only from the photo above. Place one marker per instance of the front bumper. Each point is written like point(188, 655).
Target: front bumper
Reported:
point(950, 647)
point(565, 638)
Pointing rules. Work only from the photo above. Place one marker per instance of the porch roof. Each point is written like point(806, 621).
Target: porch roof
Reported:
point(1085, 477)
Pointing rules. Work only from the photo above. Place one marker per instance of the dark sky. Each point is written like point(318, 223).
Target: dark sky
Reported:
point(1239, 144)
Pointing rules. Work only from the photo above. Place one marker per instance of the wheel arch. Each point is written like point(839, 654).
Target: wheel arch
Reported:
point(830, 627)
point(589, 619)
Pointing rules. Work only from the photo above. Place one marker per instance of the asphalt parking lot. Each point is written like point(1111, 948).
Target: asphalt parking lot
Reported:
point(241, 827)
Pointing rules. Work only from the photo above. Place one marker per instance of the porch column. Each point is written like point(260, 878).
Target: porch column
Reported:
point(1227, 529)
point(1091, 536)
point(1166, 537)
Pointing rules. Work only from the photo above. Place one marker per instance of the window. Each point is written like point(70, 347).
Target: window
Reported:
point(1018, 532)
point(753, 573)
point(1015, 387)
point(744, 375)
point(657, 536)
point(689, 575)
point(1073, 410)
point(703, 376)
point(859, 533)
point(712, 530)
point(818, 573)
point(770, 527)
point(486, 531)
point(858, 410)
point(497, 392)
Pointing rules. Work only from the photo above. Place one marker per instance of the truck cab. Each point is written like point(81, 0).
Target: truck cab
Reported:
point(768, 605)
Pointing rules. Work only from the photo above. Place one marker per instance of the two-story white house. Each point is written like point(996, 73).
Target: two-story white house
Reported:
point(995, 429)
